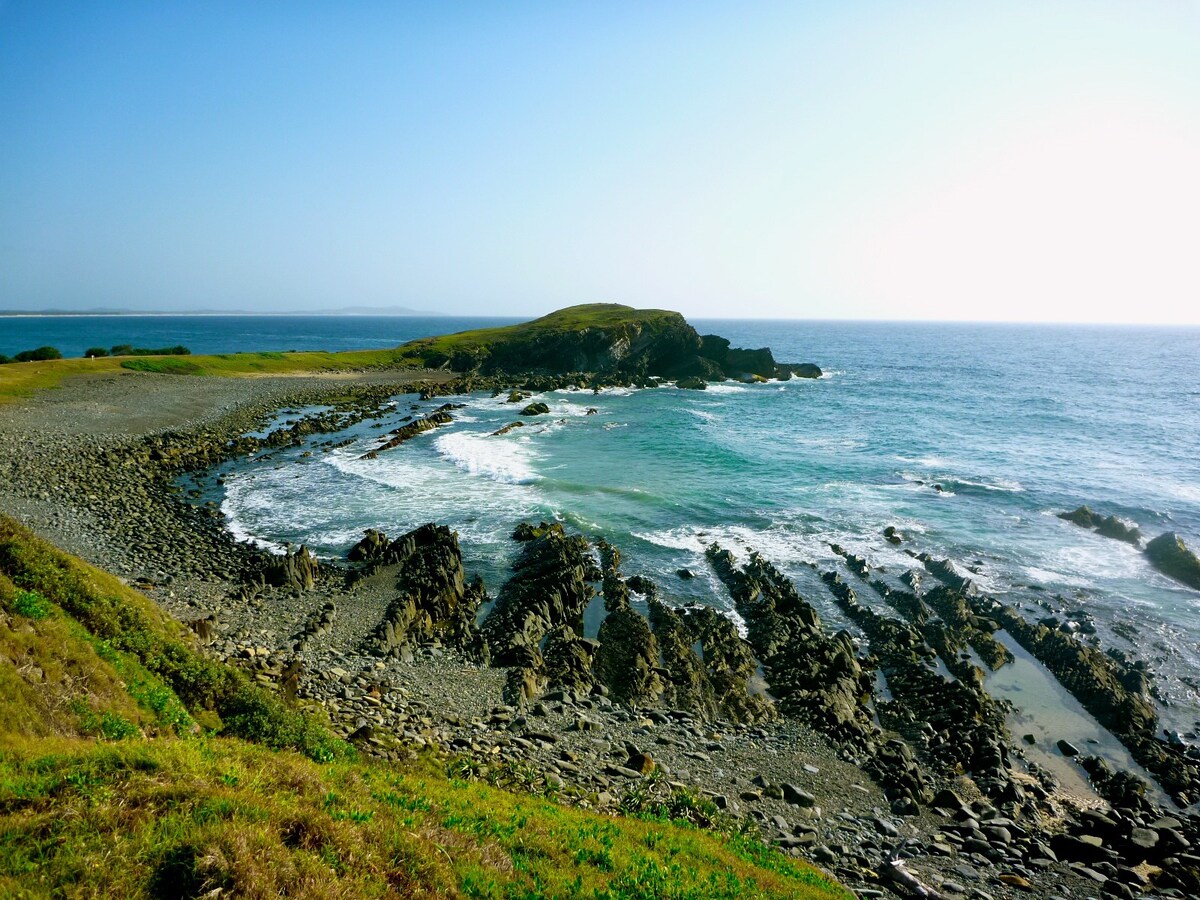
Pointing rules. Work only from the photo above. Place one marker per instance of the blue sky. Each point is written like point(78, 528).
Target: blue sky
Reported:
point(1009, 161)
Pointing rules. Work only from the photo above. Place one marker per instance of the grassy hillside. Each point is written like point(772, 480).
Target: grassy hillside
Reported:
point(528, 340)
point(572, 318)
point(132, 766)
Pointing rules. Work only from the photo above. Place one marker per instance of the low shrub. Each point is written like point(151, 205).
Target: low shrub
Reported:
point(95, 352)
point(38, 355)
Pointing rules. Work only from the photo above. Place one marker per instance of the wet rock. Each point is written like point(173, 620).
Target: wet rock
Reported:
point(1108, 526)
point(1171, 556)
point(805, 370)
point(440, 416)
point(535, 409)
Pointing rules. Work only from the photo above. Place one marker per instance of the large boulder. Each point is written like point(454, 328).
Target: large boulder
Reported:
point(1170, 555)
point(739, 363)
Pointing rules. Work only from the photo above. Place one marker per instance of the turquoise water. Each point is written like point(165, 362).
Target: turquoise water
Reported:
point(1014, 423)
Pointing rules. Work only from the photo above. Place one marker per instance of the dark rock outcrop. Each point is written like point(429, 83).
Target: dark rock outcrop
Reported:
point(1170, 555)
point(955, 723)
point(815, 676)
point(436, 604)
point(569, 660)
point(535, 409)
point(803, 370)
point(714, 683)
point(1111, 689)
point(548, 589)
point(627, 659)
point(298, 570)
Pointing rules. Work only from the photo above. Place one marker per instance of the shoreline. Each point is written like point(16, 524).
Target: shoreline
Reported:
point(195, 570)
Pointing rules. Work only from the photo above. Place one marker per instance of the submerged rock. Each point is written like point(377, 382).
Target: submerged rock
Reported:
point(440, 416)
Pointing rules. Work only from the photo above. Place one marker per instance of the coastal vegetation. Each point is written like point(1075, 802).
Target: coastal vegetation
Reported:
point(133, 765)
point(39, 354)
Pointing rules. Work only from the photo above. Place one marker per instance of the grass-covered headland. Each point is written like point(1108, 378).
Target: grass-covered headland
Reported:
point(132, 765)
point(597, 338)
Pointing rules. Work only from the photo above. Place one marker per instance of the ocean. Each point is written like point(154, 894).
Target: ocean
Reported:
point(967, 438)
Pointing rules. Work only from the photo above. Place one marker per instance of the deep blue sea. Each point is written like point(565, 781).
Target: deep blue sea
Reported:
point(1015, 423)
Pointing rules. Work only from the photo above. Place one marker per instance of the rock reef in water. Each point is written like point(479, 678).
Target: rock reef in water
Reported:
point(1109, 526)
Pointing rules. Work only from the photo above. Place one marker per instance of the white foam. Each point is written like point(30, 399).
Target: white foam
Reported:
point(1046, 576)
point(927, 461)
point(727, 388)
point(999, 484)
point(482, 454)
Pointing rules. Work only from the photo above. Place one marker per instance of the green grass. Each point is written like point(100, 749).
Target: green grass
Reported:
point(154, 651)
point(109, 786)
point(19, 380)
point(181, 818)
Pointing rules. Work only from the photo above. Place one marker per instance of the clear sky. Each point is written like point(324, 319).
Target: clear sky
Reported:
point(925, 160)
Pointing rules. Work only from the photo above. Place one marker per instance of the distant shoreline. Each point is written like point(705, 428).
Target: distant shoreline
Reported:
point(215, 315)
